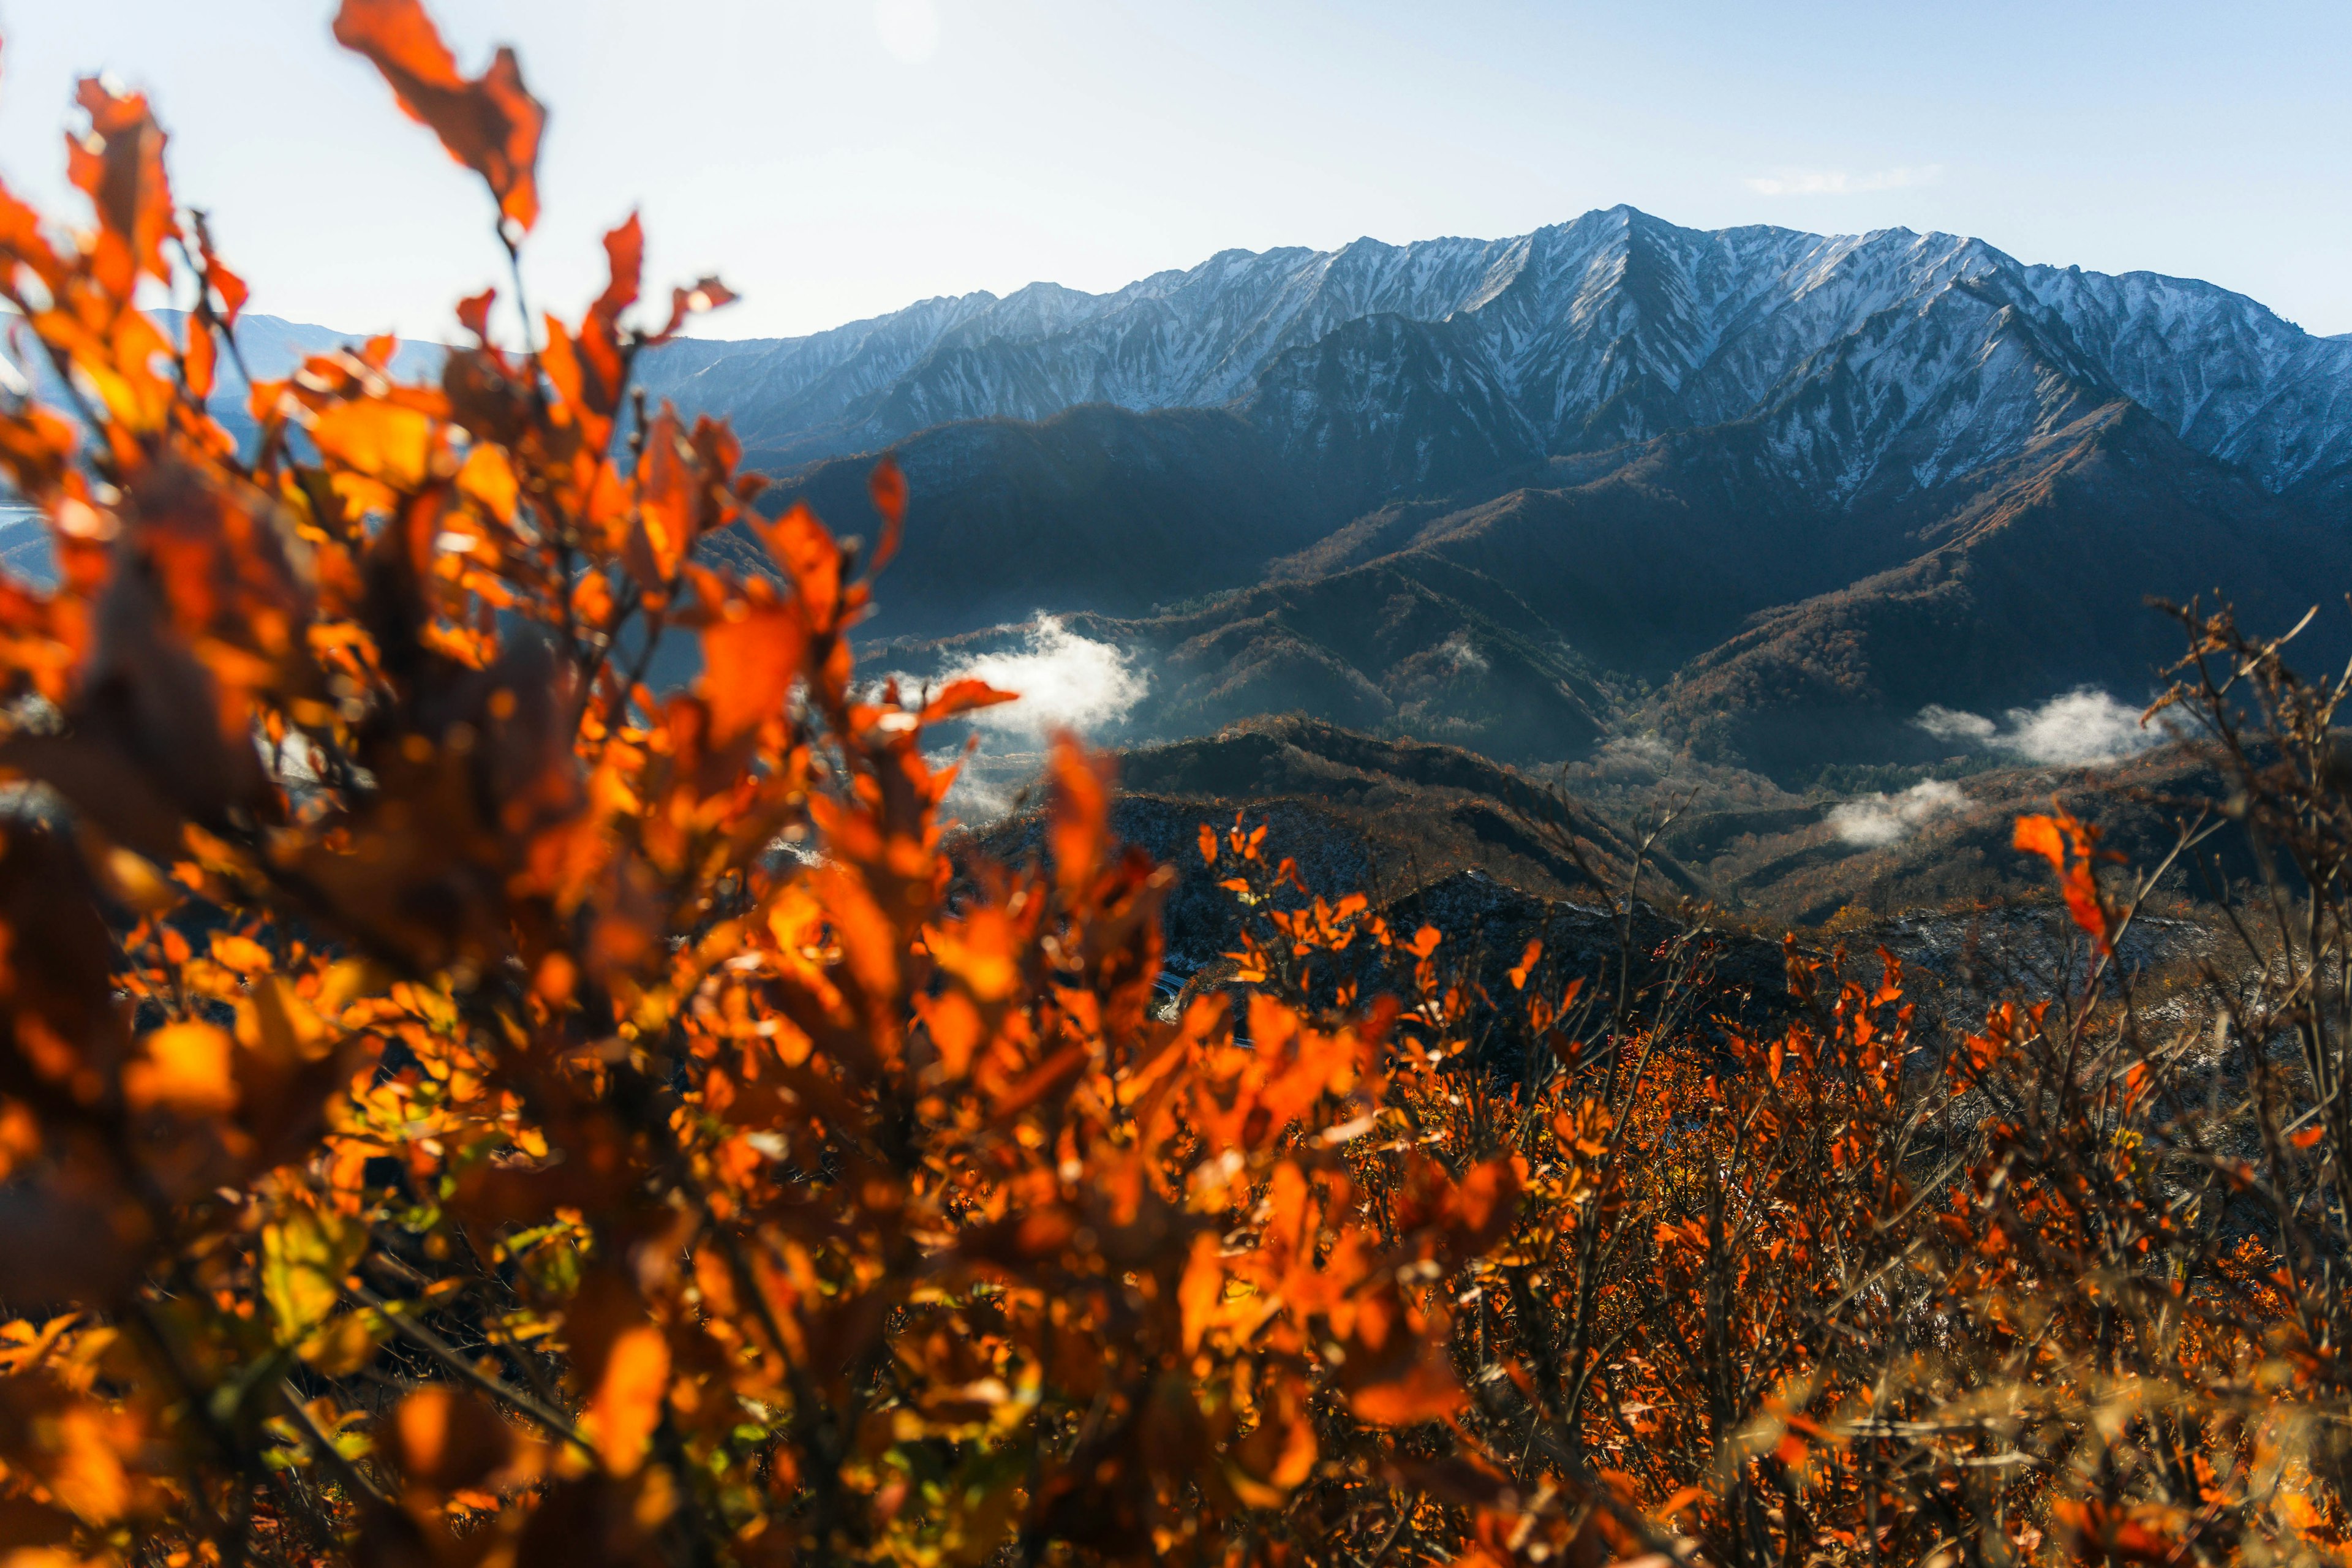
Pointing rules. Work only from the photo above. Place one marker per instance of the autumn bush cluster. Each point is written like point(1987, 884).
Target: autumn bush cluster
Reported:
point(461, 1108)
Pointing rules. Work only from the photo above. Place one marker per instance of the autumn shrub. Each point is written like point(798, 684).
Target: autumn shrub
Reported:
point(461, 1106)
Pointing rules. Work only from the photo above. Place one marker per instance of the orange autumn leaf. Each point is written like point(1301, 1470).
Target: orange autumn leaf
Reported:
point(1426, 1390)
point(186, 1067)
point(811, 560)
point(960, 697)
point(2068, 845)
point(197, 362)
point(218, 279)
point(241, 953)
point(119, 166)
point(1078, 830)
point(663, 531)
point(751, 656)
point(490, 123)
point(386, 443)
point(85, 1472)
point(624, 256)
point(627, 1405)
point(706, 294)
point(447, 1439)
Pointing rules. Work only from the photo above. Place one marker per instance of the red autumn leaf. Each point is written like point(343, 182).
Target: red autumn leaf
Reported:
point(811, 559)
point(490, 123)
point(1424, 1389)
point(2100, 1533)
point(663, 529)
point(1078, 832)
point(218, 279)
point(197, 362)
point(474, 313)
point(119, 166)
point(962, 697)
point(624, 256)
point(2070, 844)
point(749, 663)
point(708, 294)
point(889, 488)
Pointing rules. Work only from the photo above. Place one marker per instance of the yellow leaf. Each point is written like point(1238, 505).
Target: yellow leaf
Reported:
point(304, 1257)
point(275, 1024)
point(378, 439)
point(89, 1477)
point(490, 480)
point(241, 953)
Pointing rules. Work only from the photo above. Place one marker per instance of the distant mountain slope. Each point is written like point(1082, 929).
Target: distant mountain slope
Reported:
point(2039, 583)
point(1096, 509)
point(1906, 355)
point(1788, 632)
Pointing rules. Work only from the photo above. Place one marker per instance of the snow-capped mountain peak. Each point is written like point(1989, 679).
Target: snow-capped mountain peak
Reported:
point(1873, 360)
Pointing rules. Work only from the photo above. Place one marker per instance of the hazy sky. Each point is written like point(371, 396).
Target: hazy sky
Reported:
point(833, 159)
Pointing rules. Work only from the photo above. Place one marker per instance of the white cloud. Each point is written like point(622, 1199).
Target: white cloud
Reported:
point(1873, 821)
point(1065, 681)
point(1635, 755)
point(1838, 183)
point(2085, 725)
point(971, 799)
point(1951, 724)
point(1463, 653)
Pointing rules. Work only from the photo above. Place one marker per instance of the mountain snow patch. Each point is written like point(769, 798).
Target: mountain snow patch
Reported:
point(2084, 726)
point(1874, 821)
point(1065, 682)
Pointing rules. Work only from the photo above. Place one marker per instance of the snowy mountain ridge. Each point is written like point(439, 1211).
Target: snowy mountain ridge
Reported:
point(1875, 362)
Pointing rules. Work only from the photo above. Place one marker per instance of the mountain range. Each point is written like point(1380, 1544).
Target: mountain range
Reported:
point(1877, 362)
point(1764, 494)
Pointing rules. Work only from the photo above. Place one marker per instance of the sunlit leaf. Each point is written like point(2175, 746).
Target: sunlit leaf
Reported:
point(488, 123)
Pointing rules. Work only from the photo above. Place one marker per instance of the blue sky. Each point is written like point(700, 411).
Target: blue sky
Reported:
point(837, 159)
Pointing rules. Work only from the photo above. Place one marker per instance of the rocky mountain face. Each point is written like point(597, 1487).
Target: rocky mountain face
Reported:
point(1769, 494)
point(1877, 362)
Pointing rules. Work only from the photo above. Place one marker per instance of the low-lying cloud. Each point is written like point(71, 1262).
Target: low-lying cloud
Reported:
point(1874, 821)
point(2084, 726)
point(1066, 681)
point(1838, 183)
point(1639, 755)
point(1462, 654)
